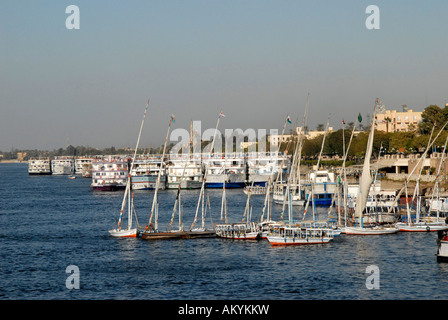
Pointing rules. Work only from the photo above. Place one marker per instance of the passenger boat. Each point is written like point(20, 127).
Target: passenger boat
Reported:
point(238, 231)
point(380, 207)
point(186, 171)
point(146, 171)
point(255, 190)
point(109, 174)
point(83, 164)
point(290, 235)
point(39, 166)
point(322, 186)
point(62, 165)
point(264, 166)
point(225, 168)
point(296, 193)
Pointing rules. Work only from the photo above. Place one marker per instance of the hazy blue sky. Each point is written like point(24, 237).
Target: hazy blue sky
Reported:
point(254, 59)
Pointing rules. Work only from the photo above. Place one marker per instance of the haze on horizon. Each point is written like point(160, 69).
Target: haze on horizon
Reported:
point(254, 59)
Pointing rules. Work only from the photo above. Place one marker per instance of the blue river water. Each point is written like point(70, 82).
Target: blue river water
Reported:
point(48, 223)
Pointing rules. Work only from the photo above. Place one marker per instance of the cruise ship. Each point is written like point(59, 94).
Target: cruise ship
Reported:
point(185, 170)
point(145, 172)
point(264, 166)
point(296, 192)
point(321, 184)
point(83, 165)
point(109, 174)
point(39, 166)
point(225, 168)
point(63, 165)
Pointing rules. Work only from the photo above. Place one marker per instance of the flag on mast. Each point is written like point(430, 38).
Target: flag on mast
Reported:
point(288, 119)
point(221, 115)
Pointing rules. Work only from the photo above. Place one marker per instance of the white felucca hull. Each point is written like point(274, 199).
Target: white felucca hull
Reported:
point(422, 227)
point(129, 233)
point(369, 231)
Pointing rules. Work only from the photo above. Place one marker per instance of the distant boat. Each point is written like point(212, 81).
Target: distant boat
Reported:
point(63, 165)
point(129, 232)
point(39, 166)
point(255, 190)
point(72, 177)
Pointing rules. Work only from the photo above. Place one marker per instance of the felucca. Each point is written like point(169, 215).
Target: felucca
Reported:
point(152, 231)
point(129, 232)
point(363, 192)
point(424, 224)
point(202, 231)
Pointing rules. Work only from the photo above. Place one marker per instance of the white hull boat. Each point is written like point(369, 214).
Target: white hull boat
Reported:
point(369, 230)
point(129, 233)
point(284, 236)
point(422, 226)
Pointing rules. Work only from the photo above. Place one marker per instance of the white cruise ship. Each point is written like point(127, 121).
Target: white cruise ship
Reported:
point(264, 166)
point(39, 166)
point(185, 170)
point(63, 165)
point(225, 168)
point(109, 174)
point(83, 165)
point(145, 172)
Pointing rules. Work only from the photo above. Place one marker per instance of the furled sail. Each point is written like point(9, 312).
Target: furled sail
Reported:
point(366, 178)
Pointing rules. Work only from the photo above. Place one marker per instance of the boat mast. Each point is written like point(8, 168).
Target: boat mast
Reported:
point(345, 184)
point(297, 155)
point(366, 178)
point(436, 185)
point(205, 173)
point(178, 201)
point(128, 182)
point(154, 201)
point(410, 174)
point(315, 175)
point(417, 186)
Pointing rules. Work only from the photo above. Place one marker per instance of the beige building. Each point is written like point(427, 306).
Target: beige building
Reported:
point(395, 121)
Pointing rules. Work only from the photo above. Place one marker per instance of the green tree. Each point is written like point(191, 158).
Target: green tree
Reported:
point(432, 114)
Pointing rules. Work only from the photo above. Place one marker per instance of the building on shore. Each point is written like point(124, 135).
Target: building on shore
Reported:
point(396, 121)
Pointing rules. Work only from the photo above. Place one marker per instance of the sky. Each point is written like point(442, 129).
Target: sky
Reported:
point(256, 60)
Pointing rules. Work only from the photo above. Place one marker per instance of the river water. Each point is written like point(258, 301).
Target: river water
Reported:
point(48, 223)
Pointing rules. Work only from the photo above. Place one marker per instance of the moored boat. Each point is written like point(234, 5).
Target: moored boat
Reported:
point(39, 166)
point(238, 231)
point(291, 235)
point(109, 174)
point(442, 251)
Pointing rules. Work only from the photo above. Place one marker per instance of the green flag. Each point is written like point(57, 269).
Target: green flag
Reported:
point(359, 117)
